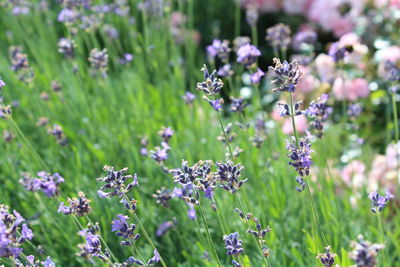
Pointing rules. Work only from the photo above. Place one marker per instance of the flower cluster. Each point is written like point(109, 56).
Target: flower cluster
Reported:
point(2, 83)
point(364, 253)
point(98, 61)
point(318, 112)
point(32, 262)
point(211, 86)
point(155, 259)
point(300, 154)
point(5, 110)
point(12, 233)
point(163, 196)
point(327, 258)
point(92, 246)
point(58, 133)
point(230, 135)
point(229, 173)
point(45, 182)
point(20, 64)
point(378, 202)
point(286, 74)
point(233, 244)
point(66, 47)
point(219, 48)
point(279, 36)
point(285, 111)
point(354, 110)
point(247, 55)
point(78, 206)
point(122, 229)
point(160, 153)
point(337, 51)
point(188, 97)
point(225, 71)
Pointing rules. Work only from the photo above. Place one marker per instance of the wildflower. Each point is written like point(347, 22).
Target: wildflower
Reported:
point(98, 60)
point(160, 154)
point(284, 109)
point(287, 75)
point(5, 111)
point(229, 174)
point(228, 133)
point(20, 64)
point(219, 48)
point(304, 38)
point(252, 15)
point(68, 16)
point(163, 196)
point(155, 259)
point(319, 111)
point(122, 229)
point(78, 206)
point(364, 253)
point(256, 77)
point(300, 154)
point(378, 202)
point(337, 52)
point(66, 47)
point(164, 227)
point(185, 175)
point(110, 31)
point(55, 86)
point(233, 244)
point(238, 104)
point(115, 181)
point(354, 110)
point(392, 72)
point(260, 233)
point(302, 184)
point(327, 258)
point(215, 103)
point(188, 97)
point(92, 246)
point(2, 83)
point(247, 55)
point(45, 182)
point(8, 136)
point(58, 133)
point(279, 36)
point(125, 59)
point(166, 133)
point(236, 264)
point(240, 41)
point(10, 239)
point(225, 71)
point(191, 211)
point(211, 84)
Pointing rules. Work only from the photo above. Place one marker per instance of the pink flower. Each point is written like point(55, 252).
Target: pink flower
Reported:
point(353, 174)
point(307, 83)
point(301, 125)
point(296, 6)
point(344, 89)
point(263, 5)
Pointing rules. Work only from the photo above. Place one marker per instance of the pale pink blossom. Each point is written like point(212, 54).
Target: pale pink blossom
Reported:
point(263, 5)
point(301, 125)
point(325, 67)
point(296, 6)
point(353, 175)
point(345, 89)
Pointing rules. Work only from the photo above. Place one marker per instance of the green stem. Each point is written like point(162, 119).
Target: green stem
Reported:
point(211, 244)
point(225, 135)
point(237, 18)
point(316, 218)
point(396, 128)
point(383, 240)
point(292, 118)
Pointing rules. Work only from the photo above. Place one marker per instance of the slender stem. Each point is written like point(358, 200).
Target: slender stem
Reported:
point(321, 233)
point(382, 239)
point(249, 226)
point(292, 118)
point(138, 252)
point(225, 135)
point(254, 35)
point(211, 244)
point(237, 18)
point(396, 128)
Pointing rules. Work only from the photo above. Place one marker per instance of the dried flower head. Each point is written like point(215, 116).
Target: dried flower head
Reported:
point(20, 64)
point(66, 47)
point(45, 182)
point(327, 258)
point(58, 133)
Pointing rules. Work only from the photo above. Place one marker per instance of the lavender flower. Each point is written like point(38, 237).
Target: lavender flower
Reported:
point(155, 259)
point(219, 48)
point(185, 175)
point(302, 184)
point(68, 16)
point(122, 229)
point(58, 133)
point(191, 212)
point(300, 154)
point(279, 36)
point(115, 181)
point(164, 227)
point(166, 133)
point(229, 173)
point(327, 258)
point(110, 31)
point(378, 202)
point(247, 55)
point(240, 41)
point(66, 47)
point(392, 72)
point(2, 83)
point(160, 154)
point(238, 104)
point(364, 253)
point(215, 103)
point(98, 60)
point(354, 110)
point(5, 111)
point(337, 52)
point(20, 64)
point(225, 71)
point(287, 75)
point(260, 233)
point(236, 264)
point(45, 182)
point(188, 97)
point(163, 196)
point(78, 206)
point(252, 15)
point(211, 84)
point(10, 239)
point(284, 109)
point(125, 59)
point(256, 77)
point(319, 111)
point(303, 39)
point(233, 244)
point(92, 246)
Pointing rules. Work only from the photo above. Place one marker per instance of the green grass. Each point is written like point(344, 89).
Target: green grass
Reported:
point(103, 120)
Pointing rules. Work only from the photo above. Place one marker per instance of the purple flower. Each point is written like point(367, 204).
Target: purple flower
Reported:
point(300, 154)
point(327, 258)
point(319, 111)
point(155, 259)
point(337, 52)
point(119, 223)
point(159, 154)
point(77, 206)
point(188, 97)
point(163, 196)
point(216, 103)
point(67, 16)
point(211, 84)
point(2, 83)
point(279, 36)
point(238, 104)
point(378, 202)
point(225, 71)
point(166, 133)
point(354, 110)
point(45, 182)
point(66, 47)
point(164, 227)
point(49, 263)
point(247, 55)
point(365, 253)
point(98, 61)
point(126, 58)
point(255, 77)
point(191, 212)
point(233, 244)
point(212, 50)
point(286, 75)
point(303, 38)
point(229, 174)
point(219, 48)
point(26, 232)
